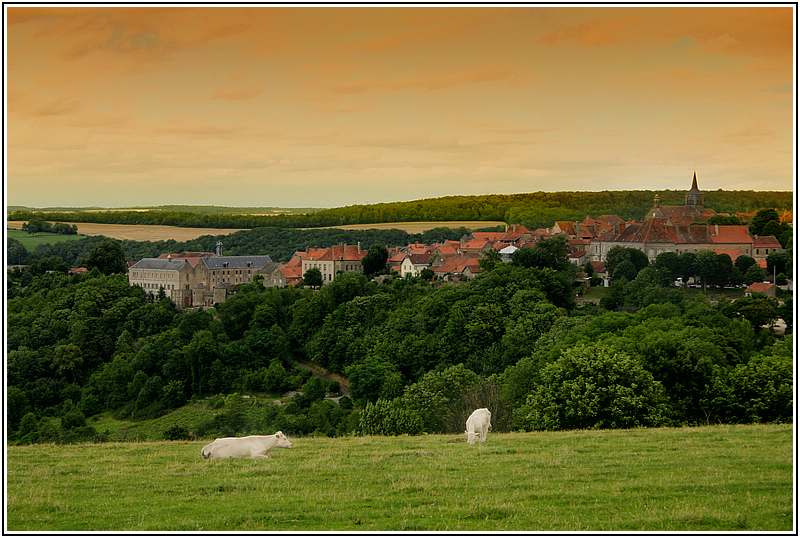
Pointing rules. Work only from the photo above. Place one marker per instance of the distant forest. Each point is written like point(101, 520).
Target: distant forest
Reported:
point(533, 209)
point(279, 243)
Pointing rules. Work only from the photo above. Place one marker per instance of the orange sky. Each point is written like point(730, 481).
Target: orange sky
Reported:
point(334, 106)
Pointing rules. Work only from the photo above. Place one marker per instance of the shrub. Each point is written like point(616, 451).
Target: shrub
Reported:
point(388, 417)
point(593, 386)
point(758, 391)
point(176, 433)
point(437, 398)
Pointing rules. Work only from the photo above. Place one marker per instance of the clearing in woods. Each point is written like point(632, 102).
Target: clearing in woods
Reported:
point(140, 232)
point(712, 478)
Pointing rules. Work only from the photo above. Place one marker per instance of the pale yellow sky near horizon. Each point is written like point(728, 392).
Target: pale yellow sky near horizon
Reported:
point(315, 107)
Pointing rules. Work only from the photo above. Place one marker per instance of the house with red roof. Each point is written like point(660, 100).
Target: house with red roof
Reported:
point(458, 267)
point(564, 227)
point(334, 260)
point(395, 259)
point(764, 288)
point(764, 245)
point(292, 271)
point(475, 246)
point(413, 264)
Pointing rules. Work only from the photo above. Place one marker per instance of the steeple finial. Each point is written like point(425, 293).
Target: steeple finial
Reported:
point(694, 182)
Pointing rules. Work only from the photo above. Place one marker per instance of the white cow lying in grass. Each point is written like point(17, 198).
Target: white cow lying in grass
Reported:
point(478, 423)
point(252, 446)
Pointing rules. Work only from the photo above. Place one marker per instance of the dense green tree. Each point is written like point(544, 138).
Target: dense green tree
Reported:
point(108, 258)
point(761, 219)
point(624, 269)
point(489, 260)
point(16, 252)
point(372, 378)
point(547, 254)
point(757, 391)
point(618, 255)
point(374, 262)
point(744, 262)
point(759, 310)
point(670, 263)
point(754, 274)
point(778, 262)
point(593, 386)
point(313, 278)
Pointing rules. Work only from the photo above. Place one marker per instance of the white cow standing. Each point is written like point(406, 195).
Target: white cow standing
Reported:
point(478, 423)
point(252, 446)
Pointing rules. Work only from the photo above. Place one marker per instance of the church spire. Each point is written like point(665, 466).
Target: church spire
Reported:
point(694, 197)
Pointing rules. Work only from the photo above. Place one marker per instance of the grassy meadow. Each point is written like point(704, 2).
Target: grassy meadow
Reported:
point(31, 241)
point(706, 478)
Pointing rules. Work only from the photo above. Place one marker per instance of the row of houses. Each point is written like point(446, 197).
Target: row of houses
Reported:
point(194, 279)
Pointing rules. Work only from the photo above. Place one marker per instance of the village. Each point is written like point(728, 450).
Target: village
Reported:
point(202, 279)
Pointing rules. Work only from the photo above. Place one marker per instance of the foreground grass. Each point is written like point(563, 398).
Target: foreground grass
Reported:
point(709, 478)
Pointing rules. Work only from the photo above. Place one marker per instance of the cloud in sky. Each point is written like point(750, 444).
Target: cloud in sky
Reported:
point(315, 107)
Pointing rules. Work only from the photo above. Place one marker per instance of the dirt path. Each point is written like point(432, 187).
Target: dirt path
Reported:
point(319, 371)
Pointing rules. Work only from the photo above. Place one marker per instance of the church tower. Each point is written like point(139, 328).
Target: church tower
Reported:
point(694, 197)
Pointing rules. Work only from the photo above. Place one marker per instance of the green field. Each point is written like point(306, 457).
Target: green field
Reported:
point(707, 478)
point(31, 241)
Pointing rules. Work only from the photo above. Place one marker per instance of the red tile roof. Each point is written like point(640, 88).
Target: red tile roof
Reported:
point(448, 250)
point(729, 233)
point(761, 287)
point(475, 244)
point(419, 248)
point(343, 252)
point(599, 267)
point(566, 226)
point(766, 241)
point(488, 236)
point(396, 258)
point(421, 259)
point(457, 264)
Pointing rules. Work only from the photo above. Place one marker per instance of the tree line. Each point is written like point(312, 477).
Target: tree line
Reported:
point(418, 355)
point(279, 243)
point(43, 226)
point(536, 209)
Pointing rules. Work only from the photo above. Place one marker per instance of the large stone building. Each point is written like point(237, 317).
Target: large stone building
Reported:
point(197, 278)
point(173, 276)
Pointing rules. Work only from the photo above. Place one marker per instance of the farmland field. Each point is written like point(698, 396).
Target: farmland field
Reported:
point(31, 241)
point(419, 227)
point(139, 232)
point(705, 478)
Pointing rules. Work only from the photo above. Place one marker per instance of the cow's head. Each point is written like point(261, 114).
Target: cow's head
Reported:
point(282, 440)
point(470, 437)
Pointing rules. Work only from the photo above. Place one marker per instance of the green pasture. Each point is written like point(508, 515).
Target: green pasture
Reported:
point(31, 241)
point(731, 478)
